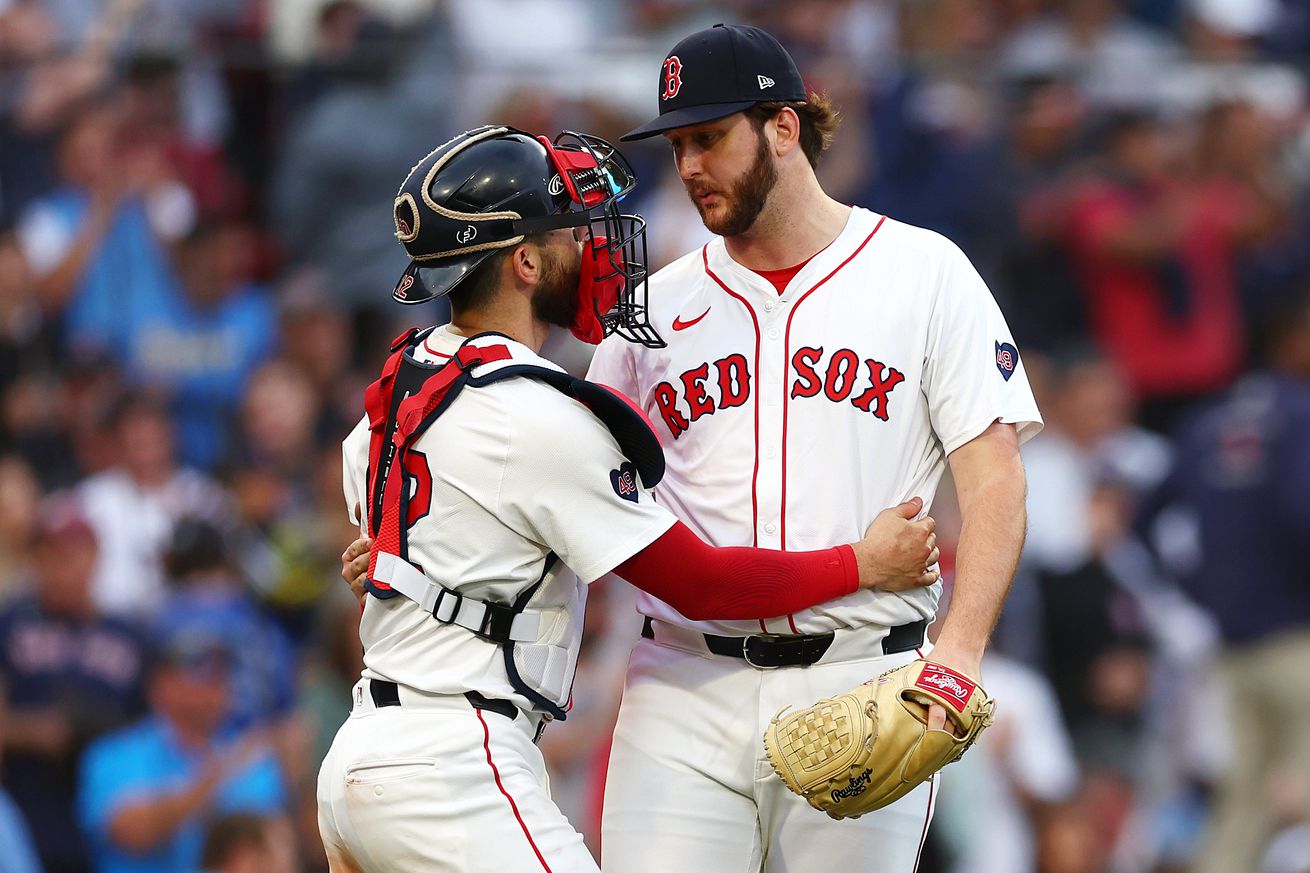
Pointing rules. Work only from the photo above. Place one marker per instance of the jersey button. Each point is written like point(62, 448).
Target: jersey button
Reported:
point(774, 333)
point(769, 307)
point(770, 528)
point(770, 452)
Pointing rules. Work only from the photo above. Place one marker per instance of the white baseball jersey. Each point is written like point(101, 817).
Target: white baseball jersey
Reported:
point(789, 421)
point(514, 471)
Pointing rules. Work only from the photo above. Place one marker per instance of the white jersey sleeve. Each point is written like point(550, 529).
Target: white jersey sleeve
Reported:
point(614, 367)
point(354, 466)
point(973, 374)
point(571, 489)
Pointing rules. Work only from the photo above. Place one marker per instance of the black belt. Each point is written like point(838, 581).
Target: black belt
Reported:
point(798, 650)
point(386, 693)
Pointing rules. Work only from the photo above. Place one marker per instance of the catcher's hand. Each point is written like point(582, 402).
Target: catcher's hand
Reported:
point(354, 566)
point(864, 749)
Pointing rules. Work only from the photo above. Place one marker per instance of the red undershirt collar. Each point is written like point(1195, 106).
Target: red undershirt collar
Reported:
point(780, 278)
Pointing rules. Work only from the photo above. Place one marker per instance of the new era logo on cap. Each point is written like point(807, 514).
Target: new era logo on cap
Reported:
point(765, 82)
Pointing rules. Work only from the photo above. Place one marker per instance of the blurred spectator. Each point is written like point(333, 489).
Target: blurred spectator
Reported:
point(318, 339)
point(1156, 252)
point(288, 493)
point(1089, 433)
point(1097, 644)
point(329, 678)
point(348, 39)
point(1044, 129)
point(325, 694)
point(45, 79)
point(1073, 839)
point(1116, 60)
point(1243, 477)
point(96, 245)
point(338, 167)
point(147, 791)
point(69, 675)
point(210, 601)
point(202, 344)
point(134, 504)
point(247, 843)
point(26, 336)
point(934, 128)
point(1228, 30)
point(302, 31)
point(1002, 793)
point(15, 842)
point(153, 94)
point(20, 494)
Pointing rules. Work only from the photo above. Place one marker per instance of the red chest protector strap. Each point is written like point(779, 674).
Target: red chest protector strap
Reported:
point(398, 404)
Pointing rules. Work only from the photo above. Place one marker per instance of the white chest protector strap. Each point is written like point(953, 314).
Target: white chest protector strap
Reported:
point(493, 620)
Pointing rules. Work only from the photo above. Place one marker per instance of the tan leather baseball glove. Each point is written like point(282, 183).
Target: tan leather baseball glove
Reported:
point(864, 749)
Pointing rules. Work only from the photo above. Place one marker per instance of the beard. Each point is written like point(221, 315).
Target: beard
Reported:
point(745, 197)
point(556, 300)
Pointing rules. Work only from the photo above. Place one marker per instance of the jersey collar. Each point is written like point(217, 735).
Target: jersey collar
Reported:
point(857, 228)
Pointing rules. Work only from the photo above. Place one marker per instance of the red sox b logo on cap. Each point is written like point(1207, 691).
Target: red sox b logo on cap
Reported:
point(672, 78)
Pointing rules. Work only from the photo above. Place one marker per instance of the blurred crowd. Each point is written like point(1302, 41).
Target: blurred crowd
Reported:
point(196, 258)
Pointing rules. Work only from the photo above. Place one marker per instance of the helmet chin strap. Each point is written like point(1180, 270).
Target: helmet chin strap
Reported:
point(596, 296)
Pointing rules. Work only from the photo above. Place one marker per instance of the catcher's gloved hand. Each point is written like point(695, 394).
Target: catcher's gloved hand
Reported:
point(864, 749)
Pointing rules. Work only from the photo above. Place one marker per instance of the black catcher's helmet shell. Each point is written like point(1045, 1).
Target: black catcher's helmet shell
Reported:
point(464, 201)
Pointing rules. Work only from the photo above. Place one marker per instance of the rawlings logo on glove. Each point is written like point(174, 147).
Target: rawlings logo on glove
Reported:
point(869, 747)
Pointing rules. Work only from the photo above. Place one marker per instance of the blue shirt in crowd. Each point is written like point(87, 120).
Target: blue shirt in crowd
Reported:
point(263, 677)
point(1242, 470)
point(127, 276)
point(146, 760)
point(203, 355)
point(15, 845)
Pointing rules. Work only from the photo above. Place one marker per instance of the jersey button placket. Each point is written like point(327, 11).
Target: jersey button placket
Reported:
point(773, 377)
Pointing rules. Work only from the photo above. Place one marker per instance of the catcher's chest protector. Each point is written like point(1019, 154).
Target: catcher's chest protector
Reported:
point(541, 630)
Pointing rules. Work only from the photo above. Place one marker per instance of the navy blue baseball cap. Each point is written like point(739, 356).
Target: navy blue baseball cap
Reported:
point(718, 71)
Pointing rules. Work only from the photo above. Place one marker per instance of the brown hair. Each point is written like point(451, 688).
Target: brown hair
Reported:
point(819, 121)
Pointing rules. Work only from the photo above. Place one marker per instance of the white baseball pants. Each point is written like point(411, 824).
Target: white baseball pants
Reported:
point(690, 789)
point(437, 786)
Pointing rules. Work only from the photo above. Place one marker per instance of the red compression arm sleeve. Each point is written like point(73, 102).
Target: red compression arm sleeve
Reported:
point(704, 582)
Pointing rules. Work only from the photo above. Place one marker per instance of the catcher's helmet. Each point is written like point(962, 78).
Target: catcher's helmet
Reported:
point(488, 188)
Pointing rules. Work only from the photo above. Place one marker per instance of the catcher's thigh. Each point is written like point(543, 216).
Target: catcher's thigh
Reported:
point(436, 785)
point(689, 787)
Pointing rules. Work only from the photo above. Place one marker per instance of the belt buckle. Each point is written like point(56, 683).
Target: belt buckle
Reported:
point(746, 649)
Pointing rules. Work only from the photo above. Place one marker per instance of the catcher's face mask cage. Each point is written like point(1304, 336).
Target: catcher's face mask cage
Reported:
point(596, 176)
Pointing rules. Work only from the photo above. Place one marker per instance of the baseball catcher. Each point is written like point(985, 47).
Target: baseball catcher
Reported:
point(864, 749)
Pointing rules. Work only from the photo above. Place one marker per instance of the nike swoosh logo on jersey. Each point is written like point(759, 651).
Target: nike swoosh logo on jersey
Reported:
point(679, 324)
